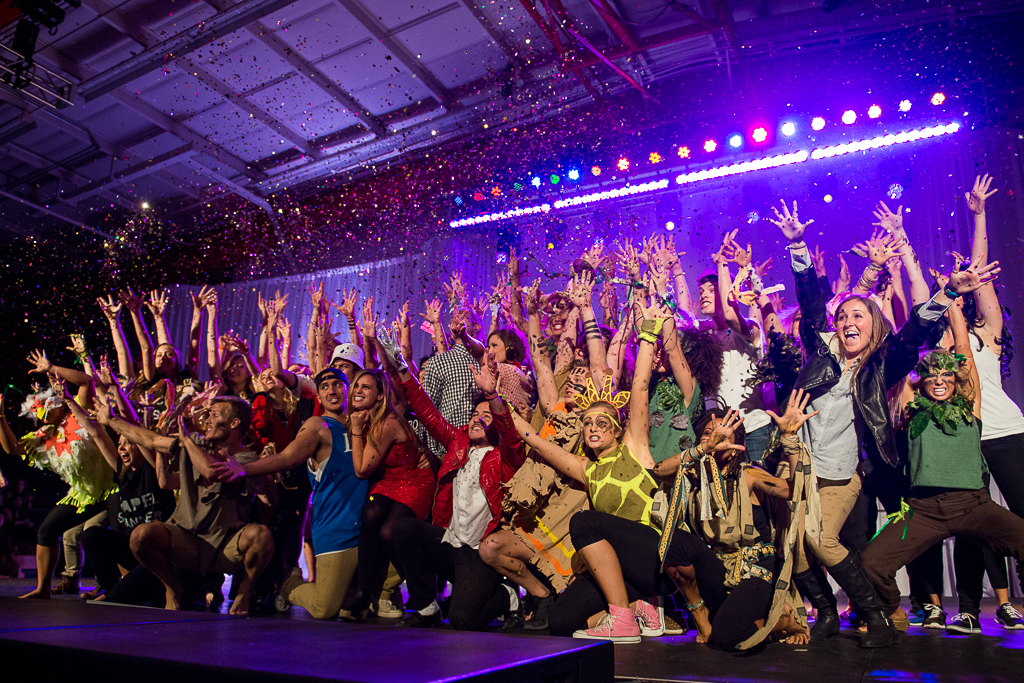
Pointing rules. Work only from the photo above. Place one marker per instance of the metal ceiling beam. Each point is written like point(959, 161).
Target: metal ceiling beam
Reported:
point(129, 174)
point(289, 54)
point(395, 47)
point(147, 37)
point(73, 220)
point(57, 169)
point(193, 38)
point(511, 54)
point(200, 143)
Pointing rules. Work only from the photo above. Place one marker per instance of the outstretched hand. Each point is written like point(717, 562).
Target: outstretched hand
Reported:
point(795, 416)
point(390, 347)
point(979, 193)
point(966, 281)
point(723, 436)
point(789, 222)
point(40, 361)
point(486, 377)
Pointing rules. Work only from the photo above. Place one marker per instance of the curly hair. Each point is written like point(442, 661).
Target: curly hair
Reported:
point(964, 384)
point(704, 354)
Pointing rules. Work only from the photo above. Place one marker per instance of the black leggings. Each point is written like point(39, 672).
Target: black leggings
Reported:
point(732, 615)
point(376, 539)
point(637, 548)
point(64, 517)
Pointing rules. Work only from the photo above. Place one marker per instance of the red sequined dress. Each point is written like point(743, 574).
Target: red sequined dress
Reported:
point(405, 482)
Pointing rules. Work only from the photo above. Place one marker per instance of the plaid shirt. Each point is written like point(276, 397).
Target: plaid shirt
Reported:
point(449, 383)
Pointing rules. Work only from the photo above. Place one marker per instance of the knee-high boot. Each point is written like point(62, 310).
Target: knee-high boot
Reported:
point(851, 578)
point(814, 586)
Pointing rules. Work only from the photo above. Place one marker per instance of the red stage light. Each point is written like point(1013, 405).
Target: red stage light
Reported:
point(622, 164)
point(710, 146)
point(595, 170)
point(759, 134)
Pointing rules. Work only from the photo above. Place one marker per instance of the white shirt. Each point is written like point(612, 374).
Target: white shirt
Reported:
point(471, 512)
point(739, 357)
point(1000, 416)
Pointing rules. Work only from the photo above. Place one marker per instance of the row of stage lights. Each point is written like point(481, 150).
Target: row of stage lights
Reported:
point(776, 161)
point(758, 136)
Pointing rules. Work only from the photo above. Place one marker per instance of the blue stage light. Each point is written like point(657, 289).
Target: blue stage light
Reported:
point(788, 128)
point(735, 140)
point(574, 174)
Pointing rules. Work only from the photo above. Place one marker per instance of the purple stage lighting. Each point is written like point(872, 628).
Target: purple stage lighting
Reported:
point(626, 191)
point(817, 123)
point(574, 174)
point(938, 98)
point(849, 116)
point(491, 217)
point(905, 106)
point(827, 199)
point(735, 140)
point(760, 134)
point(501, 257)
point(874, 111)
point(670, 226)
point(622, 164)
point(744, 167)
point(788, 128)
point(710, 146)
point(884, 141)
point(595, 171)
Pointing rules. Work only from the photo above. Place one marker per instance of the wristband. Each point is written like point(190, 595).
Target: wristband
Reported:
point(797, 245)
point(650, 329)
point(950, 293)
point(875, 266)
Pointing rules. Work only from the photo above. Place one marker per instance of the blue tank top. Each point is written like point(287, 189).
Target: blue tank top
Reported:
point(338, 496)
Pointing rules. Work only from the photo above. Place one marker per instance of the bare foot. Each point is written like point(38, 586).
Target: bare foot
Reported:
point(240, 607)
point(38, 594)
point(788, 624)
point(700, 617)
point(173, 601)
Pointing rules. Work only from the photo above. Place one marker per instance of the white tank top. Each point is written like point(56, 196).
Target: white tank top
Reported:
point(739, 357)
point(1000, 416)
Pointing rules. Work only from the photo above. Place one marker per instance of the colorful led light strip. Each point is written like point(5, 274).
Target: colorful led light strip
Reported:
point(720, 172)
point(743, 167)
point(884, 141)
point(613, 194)
point(491, 217)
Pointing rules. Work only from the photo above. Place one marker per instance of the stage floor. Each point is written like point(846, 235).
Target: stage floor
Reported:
point(294, 646)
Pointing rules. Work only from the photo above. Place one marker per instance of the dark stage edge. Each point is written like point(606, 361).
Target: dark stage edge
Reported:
point(65, 639)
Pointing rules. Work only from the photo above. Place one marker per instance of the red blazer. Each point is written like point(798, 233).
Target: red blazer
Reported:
point(498, 466)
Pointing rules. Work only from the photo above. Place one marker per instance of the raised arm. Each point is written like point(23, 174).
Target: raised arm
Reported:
point(879, 249)
point(789, 424)
point(547, 390)
point(654, 317)
point(134, 306)
point(368, 327)
point(581, 296)
point(157, 303)
point(274, 309)
point(195, 335)
point(732, 251)
point(103, 441)
point(986, 299)
point(112, 311)
point(43, 366)
point(962, 343)
point(893, 224)
point(8, 441)
point(302, 448)
point(213, 356)
point(134, 433)
point(433, 317)
point(562, 460)
point(263, 347)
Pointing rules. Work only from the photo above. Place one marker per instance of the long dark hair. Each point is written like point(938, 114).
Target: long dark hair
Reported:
point(515, 350)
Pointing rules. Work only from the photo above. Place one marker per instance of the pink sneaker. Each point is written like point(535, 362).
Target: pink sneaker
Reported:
point(618, 626)
point(650, 618)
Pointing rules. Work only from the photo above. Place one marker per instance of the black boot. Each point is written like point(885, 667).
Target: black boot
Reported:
point(813, 586)
point(858, 588)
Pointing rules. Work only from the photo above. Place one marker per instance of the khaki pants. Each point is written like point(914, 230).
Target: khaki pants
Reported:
point(334, 572)
point(73, 555)
point(837, 500)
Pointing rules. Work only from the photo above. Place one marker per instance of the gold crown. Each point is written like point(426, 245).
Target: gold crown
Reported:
point(584, 401)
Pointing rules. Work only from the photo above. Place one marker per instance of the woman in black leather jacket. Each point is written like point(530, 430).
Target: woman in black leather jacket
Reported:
point(851, 365)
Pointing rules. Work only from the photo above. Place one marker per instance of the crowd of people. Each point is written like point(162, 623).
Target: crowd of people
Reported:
point(600, 472)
